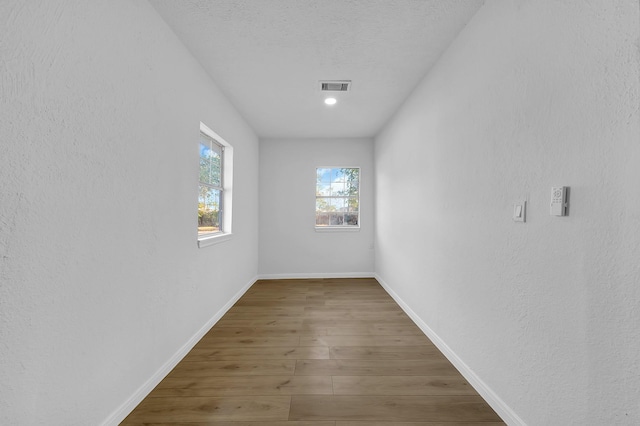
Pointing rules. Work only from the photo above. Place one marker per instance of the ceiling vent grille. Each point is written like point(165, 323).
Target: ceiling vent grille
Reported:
point(335, 86)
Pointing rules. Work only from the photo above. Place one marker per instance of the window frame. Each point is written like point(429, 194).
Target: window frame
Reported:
point(226, 178)
point(343, 227)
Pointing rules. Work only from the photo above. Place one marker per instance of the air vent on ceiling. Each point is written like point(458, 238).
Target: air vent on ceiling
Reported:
point(335, 86)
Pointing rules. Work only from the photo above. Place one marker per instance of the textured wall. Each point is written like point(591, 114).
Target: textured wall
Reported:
point(289, 244)
point(101, 281)
point(547, 313)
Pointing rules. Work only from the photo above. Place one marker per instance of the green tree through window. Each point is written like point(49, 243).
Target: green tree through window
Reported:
point(337, 197)
point(210, 194)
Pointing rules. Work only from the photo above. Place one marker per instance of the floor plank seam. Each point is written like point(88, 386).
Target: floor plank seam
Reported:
point(314, 353)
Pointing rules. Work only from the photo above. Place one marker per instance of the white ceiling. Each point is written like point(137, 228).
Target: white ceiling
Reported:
point(267, 56)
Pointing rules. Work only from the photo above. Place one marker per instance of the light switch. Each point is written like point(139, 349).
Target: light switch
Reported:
point(519, 211)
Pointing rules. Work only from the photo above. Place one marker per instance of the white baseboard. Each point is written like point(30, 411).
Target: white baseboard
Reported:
point(304, 275)
point(500, 407)
point(123, 411)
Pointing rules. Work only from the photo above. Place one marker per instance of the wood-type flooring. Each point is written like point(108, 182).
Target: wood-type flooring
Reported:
point(316, 352)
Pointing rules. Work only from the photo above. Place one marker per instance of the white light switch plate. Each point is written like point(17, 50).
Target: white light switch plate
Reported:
point(520, 211)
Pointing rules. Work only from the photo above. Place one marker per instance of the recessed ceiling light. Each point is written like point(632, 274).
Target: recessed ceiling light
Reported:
point(330, 101)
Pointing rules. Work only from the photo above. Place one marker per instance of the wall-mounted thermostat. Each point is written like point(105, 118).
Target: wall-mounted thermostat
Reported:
point(559, 202)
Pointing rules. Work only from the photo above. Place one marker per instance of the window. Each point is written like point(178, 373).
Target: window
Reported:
point(337, 197)
point(214, 201)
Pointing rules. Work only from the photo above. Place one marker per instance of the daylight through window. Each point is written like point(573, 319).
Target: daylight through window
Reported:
point(210, 188)
point(337, 197)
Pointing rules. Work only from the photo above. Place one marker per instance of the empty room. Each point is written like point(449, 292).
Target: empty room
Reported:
point(320, 212)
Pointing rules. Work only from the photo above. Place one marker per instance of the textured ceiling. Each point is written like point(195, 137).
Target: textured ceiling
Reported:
point(267, 56)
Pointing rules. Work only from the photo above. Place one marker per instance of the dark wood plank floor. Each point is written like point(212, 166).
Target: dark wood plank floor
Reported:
point(330, 352)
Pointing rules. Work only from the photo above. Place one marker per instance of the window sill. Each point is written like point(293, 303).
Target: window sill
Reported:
point(337, 229)
point(214, 239)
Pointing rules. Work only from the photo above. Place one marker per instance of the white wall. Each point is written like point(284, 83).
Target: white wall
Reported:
point(289, 244)
point(547, 313)
point(101, 280)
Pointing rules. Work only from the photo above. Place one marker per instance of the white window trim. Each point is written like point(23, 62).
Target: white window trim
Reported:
point(342, 228)
point(227, 181)
point(349, 228)
point(210, 240)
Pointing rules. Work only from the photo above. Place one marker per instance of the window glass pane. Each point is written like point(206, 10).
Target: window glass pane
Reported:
point(205, 161)
point(336, 219)
point(323, 189)
point(323, 204)
point(323, 175)
point(353, 205)
point(322, 219)
point(337, 189)
point(351, 219)
point(208, 210)
point(352, 188)
point(338, 204)
point(210, 162)
point(337, 175)
point(216, 166)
